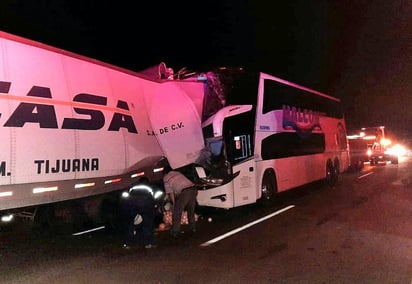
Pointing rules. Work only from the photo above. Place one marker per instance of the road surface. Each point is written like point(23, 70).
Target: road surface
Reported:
point(357, 232)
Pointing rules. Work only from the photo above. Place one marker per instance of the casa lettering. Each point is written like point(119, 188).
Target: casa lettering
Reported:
point(43, 112)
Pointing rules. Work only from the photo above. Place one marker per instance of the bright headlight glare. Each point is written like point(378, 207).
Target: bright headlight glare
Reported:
point(397, 150)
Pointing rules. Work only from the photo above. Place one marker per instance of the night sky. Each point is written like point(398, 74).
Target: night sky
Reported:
point(359, 51)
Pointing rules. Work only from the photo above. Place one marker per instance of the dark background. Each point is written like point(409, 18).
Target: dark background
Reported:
point(359, 51)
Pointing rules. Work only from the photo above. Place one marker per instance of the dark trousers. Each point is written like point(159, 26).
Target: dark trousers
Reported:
point(138, 202)
point(144, 231)
point(185, 200)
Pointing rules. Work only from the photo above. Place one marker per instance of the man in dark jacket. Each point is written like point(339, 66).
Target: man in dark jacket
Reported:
point(138, 207)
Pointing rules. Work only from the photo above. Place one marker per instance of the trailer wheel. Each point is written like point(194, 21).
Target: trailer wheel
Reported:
point(331, 174)
point(269, 187)
point(44, 221)
point(110, 214)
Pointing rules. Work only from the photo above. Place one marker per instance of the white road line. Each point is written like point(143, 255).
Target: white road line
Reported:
point(228, 234)
point(88, 231)
point(365, 175)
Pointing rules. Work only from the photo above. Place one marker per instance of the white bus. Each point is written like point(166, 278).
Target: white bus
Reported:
point(267, 135)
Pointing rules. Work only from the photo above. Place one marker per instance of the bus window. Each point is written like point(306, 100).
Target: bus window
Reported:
point(241, 147)
point(216, 147)
point(213, 158)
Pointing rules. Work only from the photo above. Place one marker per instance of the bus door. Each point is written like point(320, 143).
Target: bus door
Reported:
point(240, 155)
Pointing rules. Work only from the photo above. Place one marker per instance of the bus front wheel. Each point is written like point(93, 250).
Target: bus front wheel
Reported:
point(269, 187)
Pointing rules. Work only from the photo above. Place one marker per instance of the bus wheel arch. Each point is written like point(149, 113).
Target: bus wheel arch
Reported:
point(331, 173)
point(269, 186)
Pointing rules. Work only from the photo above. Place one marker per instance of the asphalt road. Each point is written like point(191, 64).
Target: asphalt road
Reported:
point(357, 232)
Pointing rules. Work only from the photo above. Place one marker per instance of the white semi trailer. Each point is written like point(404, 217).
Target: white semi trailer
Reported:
point(74, 129)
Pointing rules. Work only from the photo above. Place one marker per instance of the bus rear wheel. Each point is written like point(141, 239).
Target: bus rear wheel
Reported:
point(269, 188)
point(331, 174)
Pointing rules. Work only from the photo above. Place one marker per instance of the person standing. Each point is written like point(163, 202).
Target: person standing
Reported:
point(183, 193)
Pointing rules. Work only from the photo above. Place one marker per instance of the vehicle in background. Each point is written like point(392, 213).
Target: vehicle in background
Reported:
point(371, 145)
point(358, 150)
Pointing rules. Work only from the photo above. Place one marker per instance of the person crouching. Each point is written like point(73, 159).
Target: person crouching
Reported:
point(182, 193)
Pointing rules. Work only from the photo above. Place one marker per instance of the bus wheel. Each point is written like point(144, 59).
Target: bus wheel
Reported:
point(331, 174)
point(336, 165)
point(269, 187)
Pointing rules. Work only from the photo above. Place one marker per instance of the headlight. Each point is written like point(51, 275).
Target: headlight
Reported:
point(7, 218)
point(397, 150)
